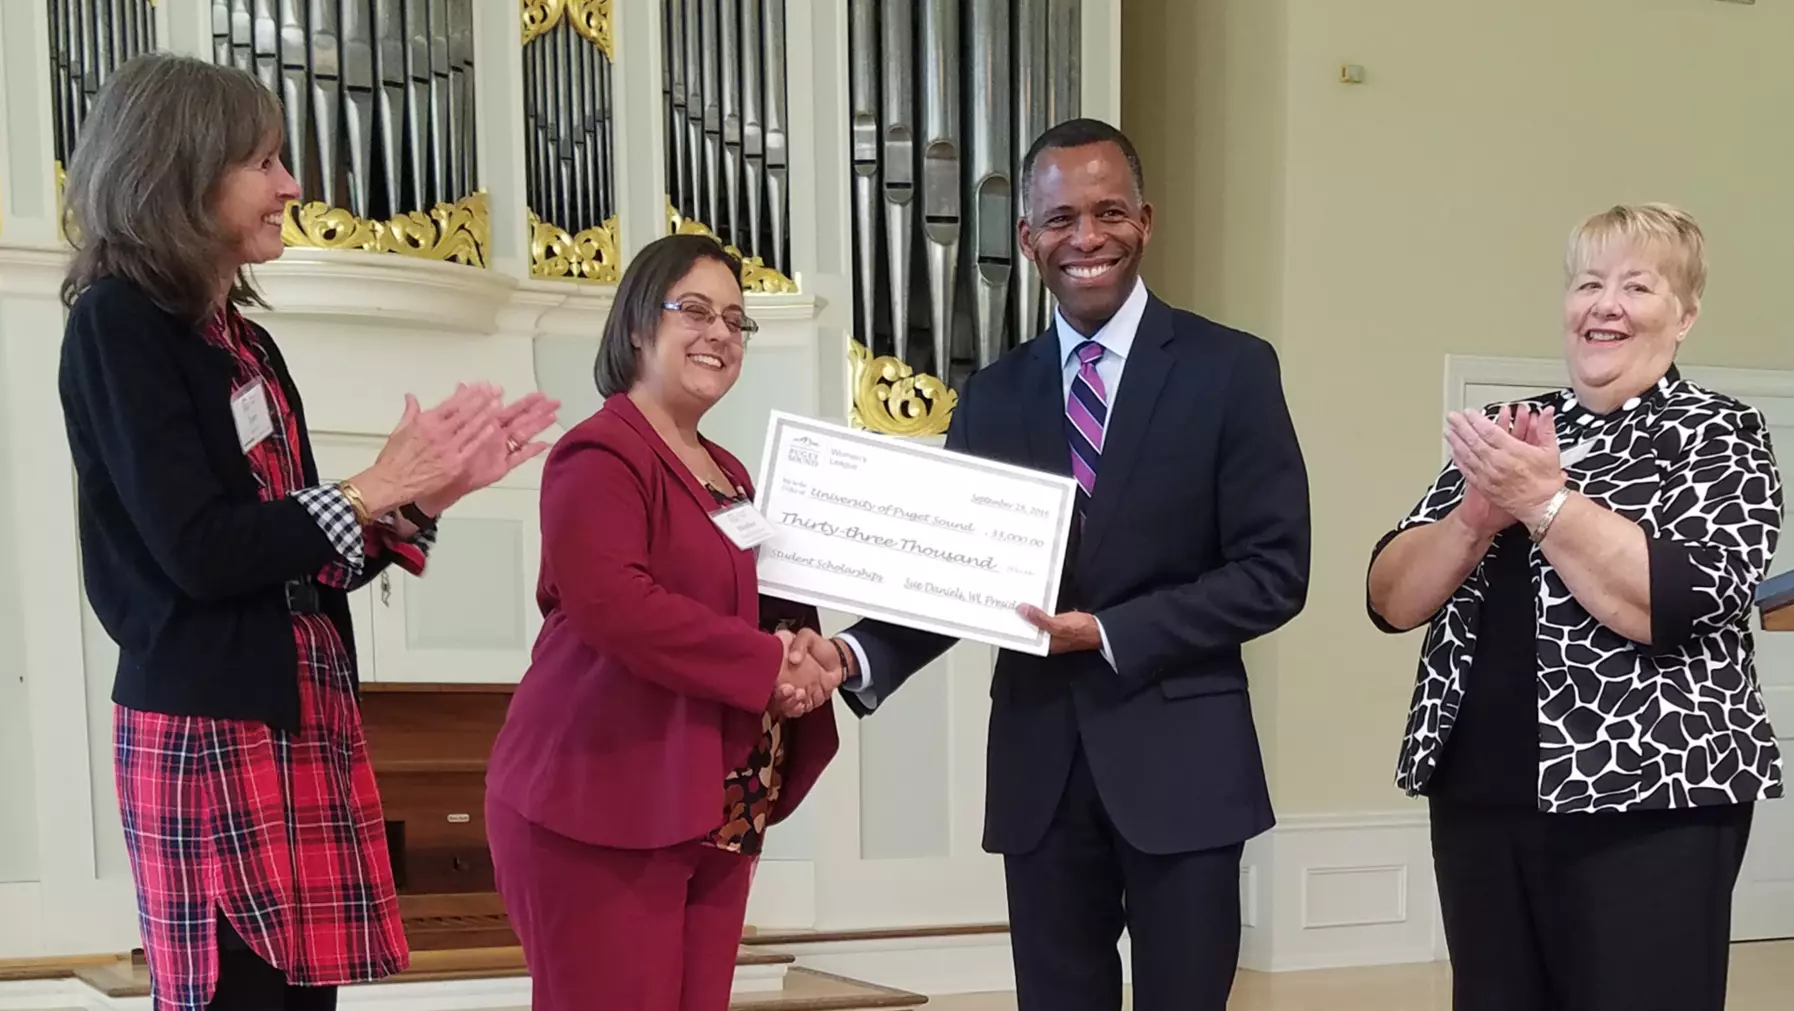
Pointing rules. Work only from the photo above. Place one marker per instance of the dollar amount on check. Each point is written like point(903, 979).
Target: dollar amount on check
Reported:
point(907, 533)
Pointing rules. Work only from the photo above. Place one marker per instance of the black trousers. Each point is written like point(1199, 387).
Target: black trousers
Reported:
point(1070, 897)
point(246, 983)
point(1588, 912)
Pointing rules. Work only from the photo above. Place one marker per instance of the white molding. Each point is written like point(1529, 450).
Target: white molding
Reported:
point(1392, 919)
point(166, 14)
point(399, 293)
point(6, 182)
point(1311, 920)
point(1256, 879)
point(559, 308)
point(460, 995)
point(1463, 371)
point(1741, 383)
point(499, 134)
point(769, 978)
point(784, 308)
point(25, 167)
point(818, 160)
point(402, 292)
point(21, 912)
point(1249, 897)
point(1100, 37)
point(1350, 822)
point(566, 308)
point(640, 182)
point(783, 896)
point(185, 28)
point(31, 271)
point(1345, 890)
point(50, 623)
point(389, 290)
point(43, 995)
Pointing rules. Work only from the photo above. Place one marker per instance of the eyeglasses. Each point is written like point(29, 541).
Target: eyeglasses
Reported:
point(700, 316)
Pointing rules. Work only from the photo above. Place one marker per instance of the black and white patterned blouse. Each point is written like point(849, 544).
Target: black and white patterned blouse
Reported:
point(1624, 726)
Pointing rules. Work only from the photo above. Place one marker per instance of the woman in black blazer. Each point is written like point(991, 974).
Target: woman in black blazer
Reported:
point(218, 562)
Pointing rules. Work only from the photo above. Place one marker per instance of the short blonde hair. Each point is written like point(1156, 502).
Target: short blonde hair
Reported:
point(1670, 231)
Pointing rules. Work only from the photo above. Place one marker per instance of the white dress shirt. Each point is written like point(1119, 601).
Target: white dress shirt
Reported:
point(1117, 338)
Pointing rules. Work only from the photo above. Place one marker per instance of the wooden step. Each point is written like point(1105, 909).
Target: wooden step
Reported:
point(786, 938)
point(116, 979)
point(451, 922)
point(803, 989)
point(121, 977)
point(809, 990)
point(21, 970)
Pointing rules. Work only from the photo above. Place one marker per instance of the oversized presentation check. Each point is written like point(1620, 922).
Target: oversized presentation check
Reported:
point(907, 533)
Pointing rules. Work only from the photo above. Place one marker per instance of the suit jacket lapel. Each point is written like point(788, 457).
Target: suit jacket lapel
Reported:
point(743, 561)
point(1043, 407)
point(1137, 397)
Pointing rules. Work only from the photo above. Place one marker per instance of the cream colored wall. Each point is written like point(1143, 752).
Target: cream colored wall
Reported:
point(1370, 230)
point(1212, 158)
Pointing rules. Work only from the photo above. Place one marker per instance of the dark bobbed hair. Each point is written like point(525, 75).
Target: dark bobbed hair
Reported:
point(1080, 133)
point(640, 301)
point(162, 134)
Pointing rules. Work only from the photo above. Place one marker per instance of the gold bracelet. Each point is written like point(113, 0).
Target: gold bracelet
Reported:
point(1551, 508)
point(356, 502)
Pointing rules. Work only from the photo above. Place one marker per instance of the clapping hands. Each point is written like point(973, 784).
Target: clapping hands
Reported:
point(1511, 467)
point(811, 672)
point(509, 442)
point(437, 455)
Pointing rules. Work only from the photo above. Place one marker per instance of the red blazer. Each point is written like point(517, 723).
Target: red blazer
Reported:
point(652, 671)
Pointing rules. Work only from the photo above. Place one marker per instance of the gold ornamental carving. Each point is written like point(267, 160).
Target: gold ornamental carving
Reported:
point(891, 398)
point(756, 276)
point(590, 18)
point(590, 255)
point(62, 207)
point(64, 220)
point(451, 233)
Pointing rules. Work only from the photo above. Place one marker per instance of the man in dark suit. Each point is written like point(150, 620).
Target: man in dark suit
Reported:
point(1124, 773)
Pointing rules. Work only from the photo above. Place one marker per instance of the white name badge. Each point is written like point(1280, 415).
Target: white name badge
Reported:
point(250, 409)
point(744, 525)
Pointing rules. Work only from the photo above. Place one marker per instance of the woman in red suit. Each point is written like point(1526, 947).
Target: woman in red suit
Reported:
point(661, 727)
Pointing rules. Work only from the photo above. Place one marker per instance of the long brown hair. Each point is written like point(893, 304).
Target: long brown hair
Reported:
point(161, 135)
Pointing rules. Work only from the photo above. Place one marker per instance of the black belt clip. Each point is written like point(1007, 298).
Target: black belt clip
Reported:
point(302, 597)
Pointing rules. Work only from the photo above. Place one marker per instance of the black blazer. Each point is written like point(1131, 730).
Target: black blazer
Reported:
point(184, 564)
point(1197, 541)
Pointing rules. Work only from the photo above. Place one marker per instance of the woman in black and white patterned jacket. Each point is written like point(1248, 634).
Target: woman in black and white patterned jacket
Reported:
point(1587, 724)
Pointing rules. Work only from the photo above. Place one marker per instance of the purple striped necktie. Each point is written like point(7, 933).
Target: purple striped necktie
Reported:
point(1086, 412)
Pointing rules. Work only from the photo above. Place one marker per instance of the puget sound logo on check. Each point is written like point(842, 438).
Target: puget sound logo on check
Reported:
point(806, 451)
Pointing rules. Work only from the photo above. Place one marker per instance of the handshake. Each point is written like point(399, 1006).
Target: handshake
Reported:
point(813, 667)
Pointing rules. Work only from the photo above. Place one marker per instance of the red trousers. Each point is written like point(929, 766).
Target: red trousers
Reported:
point(647, 930)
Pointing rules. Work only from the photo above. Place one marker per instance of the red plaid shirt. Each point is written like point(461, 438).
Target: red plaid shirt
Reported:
point(281, 833)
